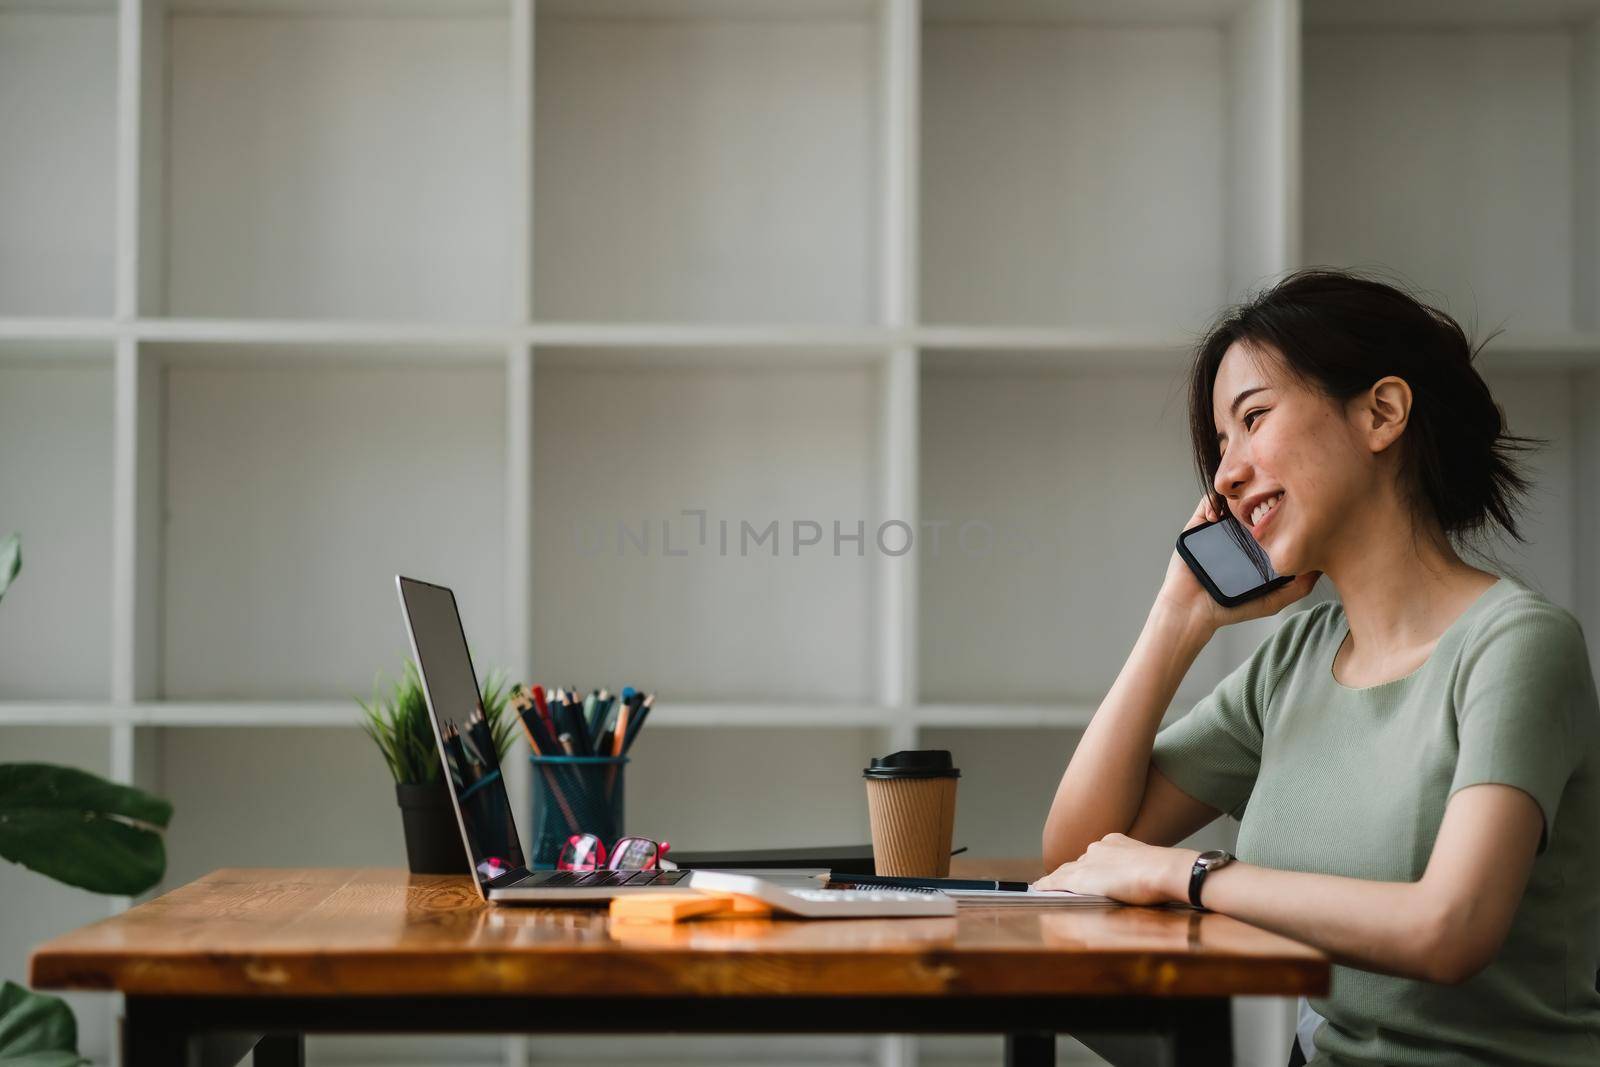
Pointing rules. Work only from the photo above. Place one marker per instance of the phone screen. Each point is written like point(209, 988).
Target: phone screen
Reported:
point(1234, 573)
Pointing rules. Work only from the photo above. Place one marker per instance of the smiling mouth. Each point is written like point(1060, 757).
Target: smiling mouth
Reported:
point(1264, 513)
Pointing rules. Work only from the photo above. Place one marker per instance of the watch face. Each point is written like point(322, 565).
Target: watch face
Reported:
point(1213, 857)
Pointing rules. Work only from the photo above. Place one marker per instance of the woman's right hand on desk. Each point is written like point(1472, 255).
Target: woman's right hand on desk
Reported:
point(1183, 595)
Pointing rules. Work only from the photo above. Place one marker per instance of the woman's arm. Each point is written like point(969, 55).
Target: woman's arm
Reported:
point(1104, 783)
point(1444, 928)
point(1110, 781)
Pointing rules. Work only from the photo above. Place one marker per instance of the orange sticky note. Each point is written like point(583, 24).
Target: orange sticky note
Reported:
point(664, 907)
point(676, 907)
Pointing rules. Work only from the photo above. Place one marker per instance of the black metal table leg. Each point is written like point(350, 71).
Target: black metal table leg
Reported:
point(281, 1050)
point(155, 1033)
point(1031, 1049)
point(1203, 1035)
point(148, 1040)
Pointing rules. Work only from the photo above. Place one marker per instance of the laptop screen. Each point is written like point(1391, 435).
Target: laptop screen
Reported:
point(451, 688)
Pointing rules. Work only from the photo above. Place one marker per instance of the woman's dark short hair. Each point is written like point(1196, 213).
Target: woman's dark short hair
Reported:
point(1338, 332)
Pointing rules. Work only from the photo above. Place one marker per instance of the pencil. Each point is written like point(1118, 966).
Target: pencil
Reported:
point(614, 748)
point(533, 742)
point(552, 783)
point(525, 704)
point(638, 721)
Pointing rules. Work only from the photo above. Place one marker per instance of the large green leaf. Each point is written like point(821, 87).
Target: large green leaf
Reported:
point(36, 1030)
point(10, 561)
point(81, 829)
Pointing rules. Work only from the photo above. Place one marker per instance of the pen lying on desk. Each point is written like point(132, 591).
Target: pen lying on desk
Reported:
point(887, 881)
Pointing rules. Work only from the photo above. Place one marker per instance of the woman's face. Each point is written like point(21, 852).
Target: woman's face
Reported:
point(1289, 447)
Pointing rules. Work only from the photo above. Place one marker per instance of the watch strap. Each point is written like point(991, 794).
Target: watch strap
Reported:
point(1197, 877)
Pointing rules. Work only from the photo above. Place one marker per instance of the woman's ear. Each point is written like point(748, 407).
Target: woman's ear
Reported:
point(1382, 411)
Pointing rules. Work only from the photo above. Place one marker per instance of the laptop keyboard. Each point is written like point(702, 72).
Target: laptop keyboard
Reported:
point(598, 879)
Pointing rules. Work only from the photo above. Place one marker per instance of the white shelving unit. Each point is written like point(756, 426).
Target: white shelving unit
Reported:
point(532, 296)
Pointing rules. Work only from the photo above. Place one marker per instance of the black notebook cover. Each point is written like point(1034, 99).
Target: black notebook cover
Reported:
point(840, 859)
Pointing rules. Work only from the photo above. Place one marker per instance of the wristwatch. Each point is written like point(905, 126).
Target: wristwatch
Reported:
point(1204, 864)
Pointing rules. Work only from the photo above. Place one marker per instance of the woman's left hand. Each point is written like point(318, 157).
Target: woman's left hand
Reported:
point(1121, 868)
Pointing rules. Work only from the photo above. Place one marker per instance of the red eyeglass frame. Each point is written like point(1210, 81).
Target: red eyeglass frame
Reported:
point(592, 854)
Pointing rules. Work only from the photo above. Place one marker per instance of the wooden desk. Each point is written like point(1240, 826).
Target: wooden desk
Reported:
point(256, 958)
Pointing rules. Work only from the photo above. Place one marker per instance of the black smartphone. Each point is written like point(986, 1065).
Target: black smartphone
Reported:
point(1228, 562)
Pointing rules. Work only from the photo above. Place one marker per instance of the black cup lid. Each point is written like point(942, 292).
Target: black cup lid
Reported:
point(913, 763)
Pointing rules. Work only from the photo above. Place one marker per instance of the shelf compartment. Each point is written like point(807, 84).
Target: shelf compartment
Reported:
point(1043, 598)
point(1101, 165)
point(1456, 152)
point(1024, 767)
point(58, 109)
point(1021, 765)
point(55, 480)
point(707, 163)
point(335, 165)
point(295, 492)
point(1546, 403)
point(623, 449)
point(754, 788)
point(341, 812)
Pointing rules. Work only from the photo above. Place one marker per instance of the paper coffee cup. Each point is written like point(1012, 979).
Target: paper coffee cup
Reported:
point(911, 801)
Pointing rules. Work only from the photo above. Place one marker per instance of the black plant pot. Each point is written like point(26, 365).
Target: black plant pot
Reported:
point(433, 841)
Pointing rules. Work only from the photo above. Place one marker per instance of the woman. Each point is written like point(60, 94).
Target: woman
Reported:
point(1416, 769)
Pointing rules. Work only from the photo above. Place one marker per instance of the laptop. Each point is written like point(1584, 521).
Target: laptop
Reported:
point(477, 789)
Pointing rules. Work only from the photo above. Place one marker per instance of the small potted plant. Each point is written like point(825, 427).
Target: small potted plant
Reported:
point(398, 721)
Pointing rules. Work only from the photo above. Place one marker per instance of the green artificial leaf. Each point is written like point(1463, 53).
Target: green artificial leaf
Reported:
point(36, 1030)
point(10, 561)
point(397, 721)
point(80, 829)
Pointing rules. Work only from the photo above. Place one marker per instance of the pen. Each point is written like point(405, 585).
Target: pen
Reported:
point(614, 746)
point(470, 745)
point(928, 883)
point(579, 729)
point(560, 715)
point(540, 706)
point(540, 733)
point(543, 743)
point(591, 707)
point(638, 721)
point(456, 757)
point(605, 709)
point(482, 739)
point(533, 739)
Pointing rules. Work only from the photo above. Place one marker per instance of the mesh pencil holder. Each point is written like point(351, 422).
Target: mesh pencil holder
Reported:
point(575, 795)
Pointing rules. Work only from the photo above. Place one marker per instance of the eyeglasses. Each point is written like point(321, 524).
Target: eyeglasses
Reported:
point(586, 852)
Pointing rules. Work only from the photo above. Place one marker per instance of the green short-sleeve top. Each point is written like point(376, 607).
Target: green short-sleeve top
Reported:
point(1354, 782)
